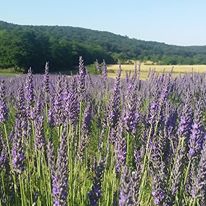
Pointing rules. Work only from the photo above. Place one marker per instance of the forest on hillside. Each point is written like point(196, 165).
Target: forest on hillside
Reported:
point(31, 46)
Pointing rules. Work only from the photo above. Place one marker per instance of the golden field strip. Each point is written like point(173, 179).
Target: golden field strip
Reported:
point(144, 69)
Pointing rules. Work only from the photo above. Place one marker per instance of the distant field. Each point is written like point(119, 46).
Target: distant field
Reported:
point(8, 72)
point(144, 69)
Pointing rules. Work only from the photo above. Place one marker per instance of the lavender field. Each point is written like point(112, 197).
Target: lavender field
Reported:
point(90, 140)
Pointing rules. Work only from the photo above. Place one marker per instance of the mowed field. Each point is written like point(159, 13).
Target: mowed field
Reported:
point(144, 69)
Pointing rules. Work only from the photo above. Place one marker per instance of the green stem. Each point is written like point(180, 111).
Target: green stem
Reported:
point(21, 184)
point(7, 142)
point(187, 171)
point(128, 149)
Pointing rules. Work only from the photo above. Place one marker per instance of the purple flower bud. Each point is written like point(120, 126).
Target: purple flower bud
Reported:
point(95, 193)
point(159, 192)
point(46, 79)
point(72, 107)
point(3, 107)
point(131, 115)
point(197, 134)
point(104, 71)
point(177, 172)
point(153, 112)
point(82, 79)
point(185, 123)
point(127, 188)
point(21, 105)
point(85, 131)
point(51, 114)
point(17, 153)
point(58, 104)
point(39, 133)
point(87, 119)
point(60, 178)
point(3, 154)
point(114, 114)
point(120, 150)
point(29, 92)
point(198, 188)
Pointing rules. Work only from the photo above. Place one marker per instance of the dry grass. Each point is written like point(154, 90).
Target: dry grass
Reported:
point(144, 69)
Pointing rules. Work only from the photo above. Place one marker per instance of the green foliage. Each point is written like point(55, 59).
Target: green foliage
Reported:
point(32, 46)
point(92, 69)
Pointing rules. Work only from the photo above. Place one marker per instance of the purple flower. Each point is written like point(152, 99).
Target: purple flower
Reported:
point(87, 119)
point(136, 175)
point(29, 92)
point(185, 123)
point(153, 112)
point(104, 71)
point(72, 107)
point(17, 153)
point(126, 195)
point(46, 79)
point(21, 107)
point(58, 109)
point(177, 172)
point(131, 115)
point(39, 133)
point(197, 134)
point(120, 150)
point(3, 107)
point(60, 177)
point(171, 117)
point(164, 92)
point(85, 130)
point(114, 109)
point(198, 188)
point(51, 114)
point(82, 79)
point(159, 192)
point(95, 193)
point(3, 154)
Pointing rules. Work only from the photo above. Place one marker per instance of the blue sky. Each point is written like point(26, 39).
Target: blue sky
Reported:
point(180, 22)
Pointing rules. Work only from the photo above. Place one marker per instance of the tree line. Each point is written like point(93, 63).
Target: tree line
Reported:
point(31, 46)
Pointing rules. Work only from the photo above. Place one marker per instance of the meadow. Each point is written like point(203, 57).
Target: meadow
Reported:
point(91, 140)
point(146, 68)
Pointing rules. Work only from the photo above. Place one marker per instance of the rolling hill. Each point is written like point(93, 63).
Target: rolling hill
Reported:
point(22, 46)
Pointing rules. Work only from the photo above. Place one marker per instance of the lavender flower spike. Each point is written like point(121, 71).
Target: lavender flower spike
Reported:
point(3, 107)
point(46, 78)
point(39, 130)
point(82, 76)
point(95, 193)
point(60, 178)
point(85, 130)
point(185, 121)
point(17, 149)
point(126, 188)
point(114, 114)
point(198, 190)
point(197, 134)
point(3, 153)
point(29, 93)
point(104, 71)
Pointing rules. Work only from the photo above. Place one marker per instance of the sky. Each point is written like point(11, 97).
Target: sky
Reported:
point(179, 22)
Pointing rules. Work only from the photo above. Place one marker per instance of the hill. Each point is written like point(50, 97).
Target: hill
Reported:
point(24, 46)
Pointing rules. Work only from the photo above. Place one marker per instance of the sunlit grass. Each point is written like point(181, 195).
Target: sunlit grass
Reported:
point(144, 69)
point(9, 72)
